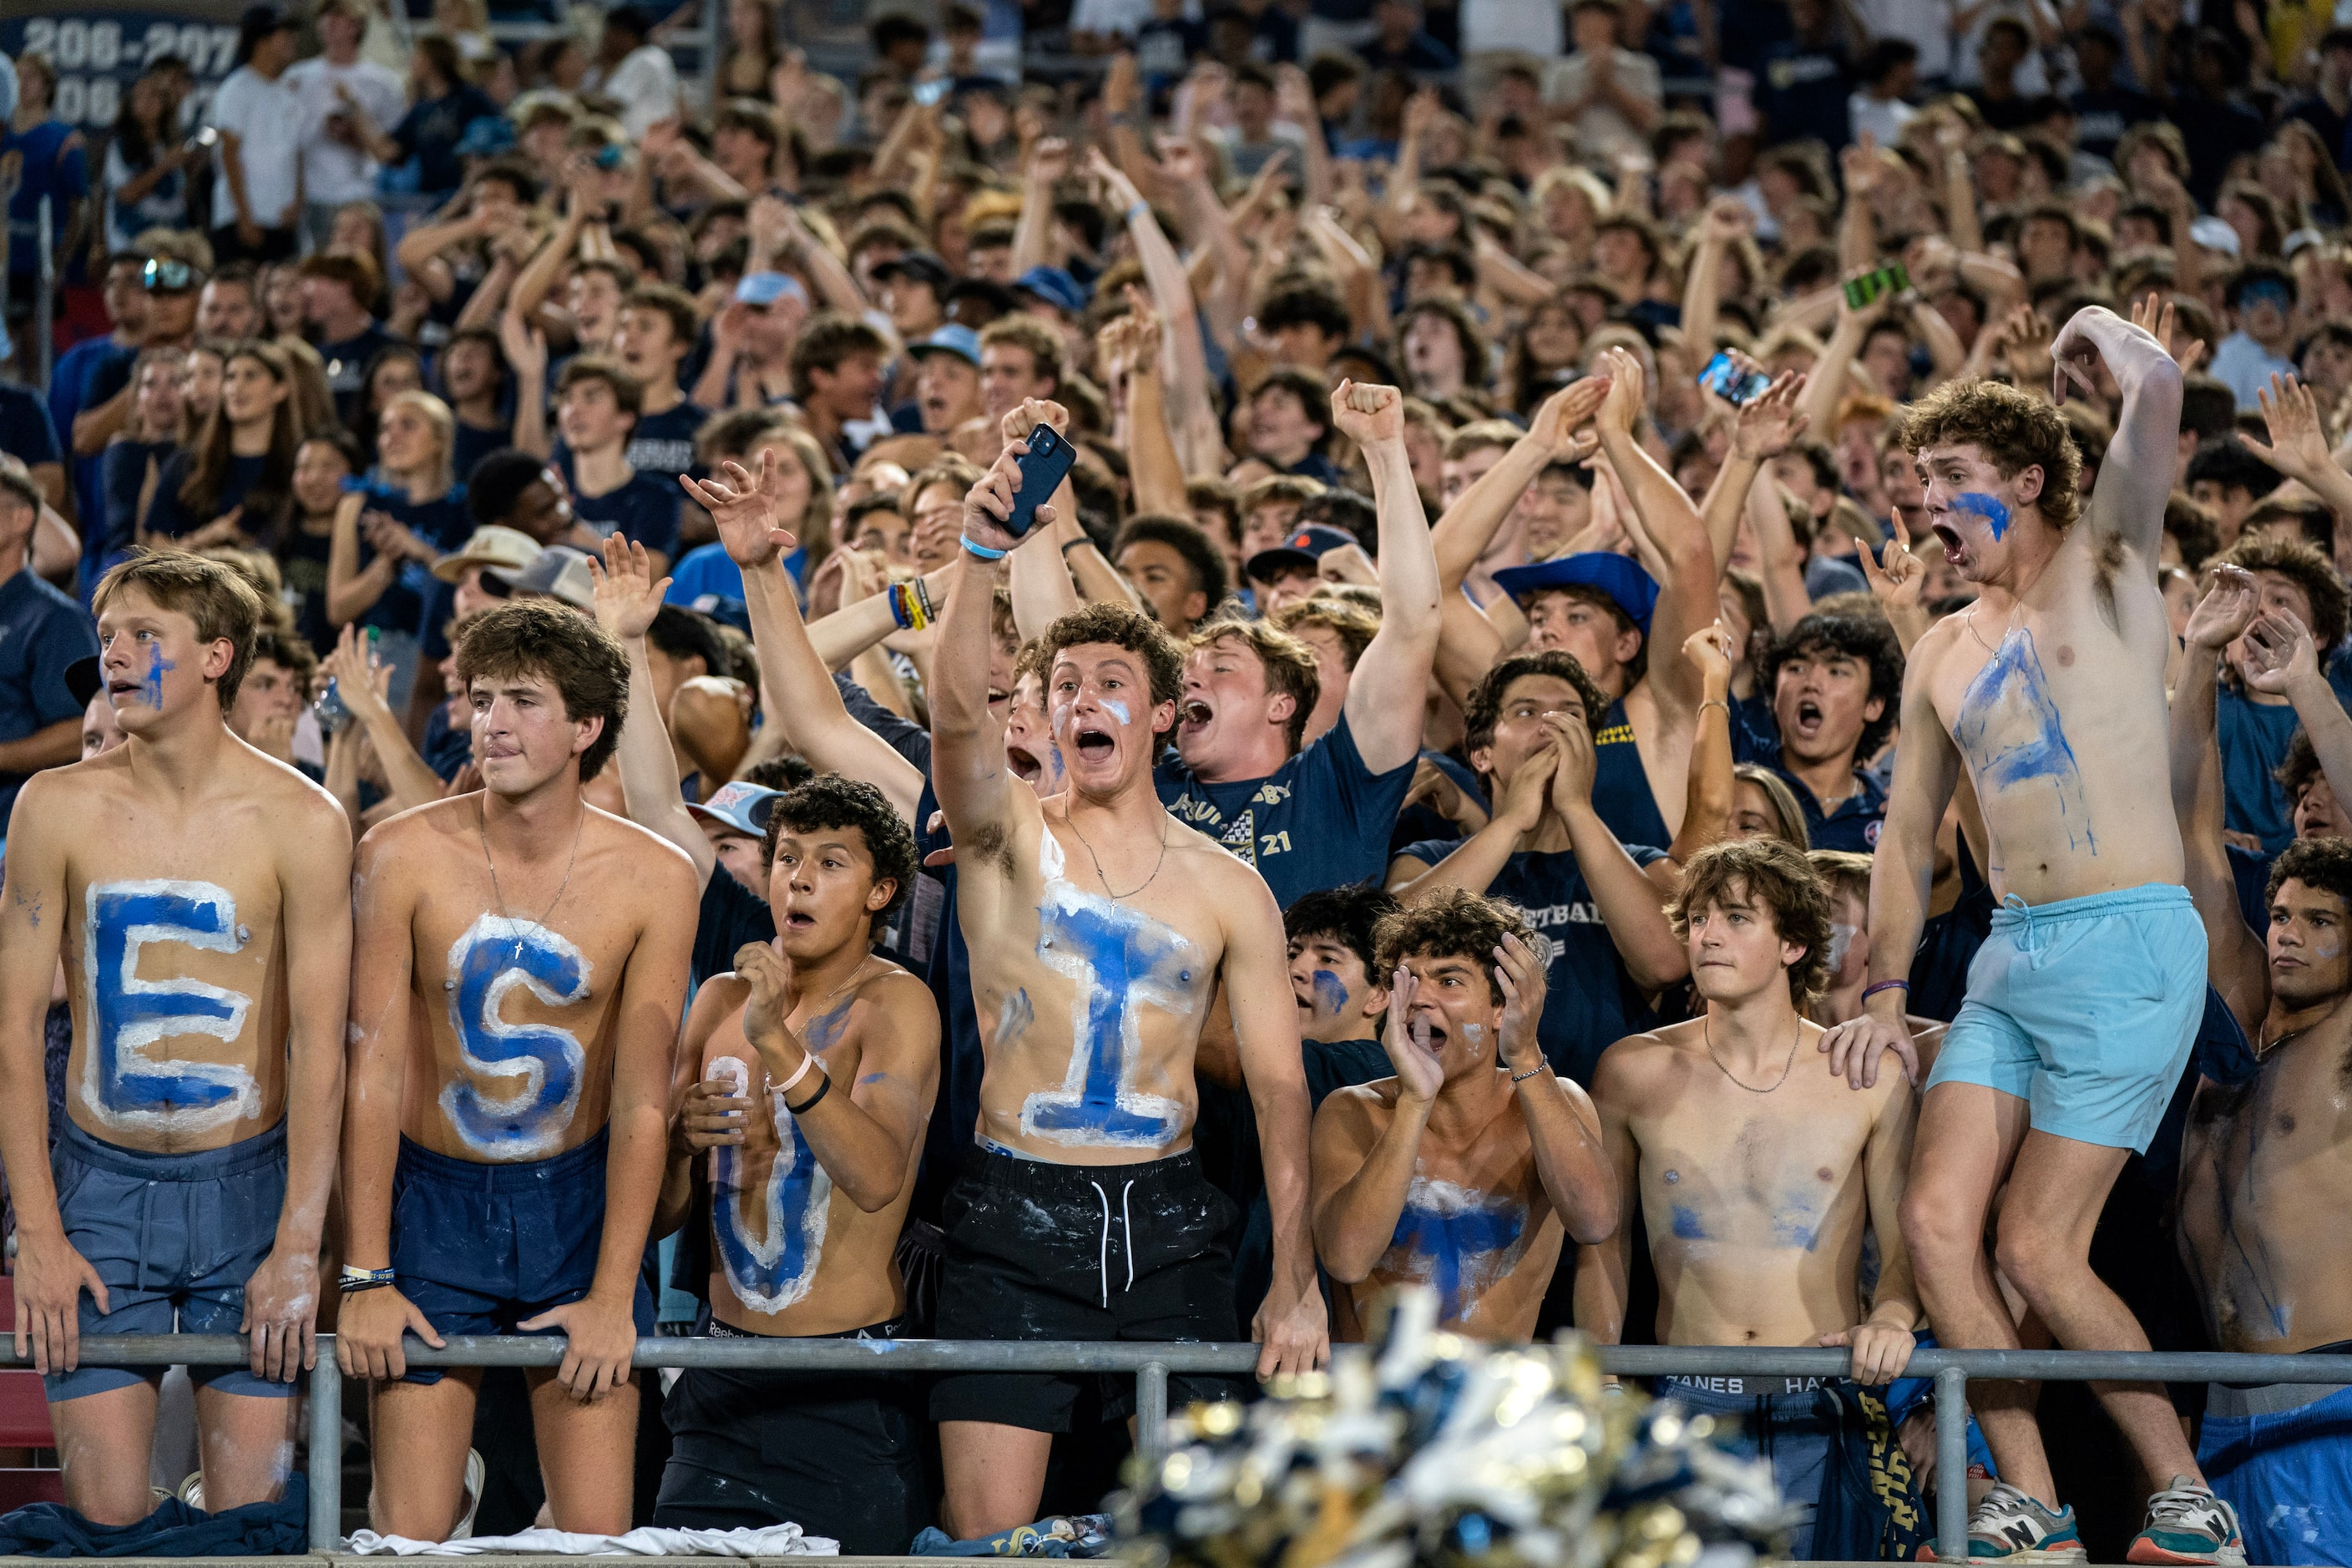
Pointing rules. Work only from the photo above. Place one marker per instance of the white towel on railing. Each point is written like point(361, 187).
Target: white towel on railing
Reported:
point(776, 1540)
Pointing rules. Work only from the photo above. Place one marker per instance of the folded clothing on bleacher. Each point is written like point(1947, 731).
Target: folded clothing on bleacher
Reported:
point(175, 1530)
point(776, 1540)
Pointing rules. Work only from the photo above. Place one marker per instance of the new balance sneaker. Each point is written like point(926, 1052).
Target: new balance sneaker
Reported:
point(2010, 1527)
point(2187, 1523)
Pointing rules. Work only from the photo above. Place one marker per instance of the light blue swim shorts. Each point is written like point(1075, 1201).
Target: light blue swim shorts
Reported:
point(2086, 1008)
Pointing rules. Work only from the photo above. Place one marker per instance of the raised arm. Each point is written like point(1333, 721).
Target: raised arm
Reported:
point(1291, 1328)
point(1042, 590)
point(627, 598)
point(804, 703)
point(1710, 791)
point(362, 685)
point(1152, 460)
point(1171, 288)
point(1465, 529)
point(1686, 592)
point(50, 1273)
point(314, 883)
point(1630, 906)
point(2298, 445)
point(1761, 429)
point(1385, 695)
point(2137, 479)
point(526, 350)
point(1562, 1129)
point(2236, 962)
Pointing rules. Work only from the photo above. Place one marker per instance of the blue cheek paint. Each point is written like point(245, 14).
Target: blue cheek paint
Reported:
point(1986, 507)
point(1117, 711)
point(791, 1197)
point(1122, 962)
point(1330, 996)
point(1461, 1241)
point(2009, 731)
point(153, 693)
point(1687, 1223)
point(486, 964)
point(120, 1083)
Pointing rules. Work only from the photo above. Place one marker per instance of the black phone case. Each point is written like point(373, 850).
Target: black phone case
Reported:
point(1042, 469)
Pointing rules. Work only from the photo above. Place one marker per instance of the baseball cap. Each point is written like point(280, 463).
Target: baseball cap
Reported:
point(742, 807)
point(1055, 286)
point(489, 545)
point(1306, 547)
point(559, 572)
point(767, 287)
point(486, 136)
point(922, 267)
point(955, 338)
point(2214, 233)
point(1632, 588)
point(85, 679)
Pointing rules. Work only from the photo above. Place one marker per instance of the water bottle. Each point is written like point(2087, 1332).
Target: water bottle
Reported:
point(335, 714)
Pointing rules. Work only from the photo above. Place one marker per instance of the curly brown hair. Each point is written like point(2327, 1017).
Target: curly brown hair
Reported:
point(2015, 431)
point(1773, 873)
point(1123, 626)
point(831, 801)
point(1354, 625)
point(1453, 922)
point(537, 637)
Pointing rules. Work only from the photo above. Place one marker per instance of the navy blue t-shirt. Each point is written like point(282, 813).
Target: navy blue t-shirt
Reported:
point(1321, 820)
point(1622, 797)
point(410, 603)
point(661, 445)
point(645, 511)
point(347, 364)
point(730, 915)
point(1592, 1001)
point(2254, 738)
point(472, 444)
point(122, 473)
point(41, 631)
point(167, 515)
point(1418, 822)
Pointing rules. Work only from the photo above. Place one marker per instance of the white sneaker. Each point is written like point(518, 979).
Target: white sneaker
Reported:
point(478, 1475)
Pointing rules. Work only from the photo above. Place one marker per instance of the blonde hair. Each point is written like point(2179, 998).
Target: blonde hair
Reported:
point(445, 432)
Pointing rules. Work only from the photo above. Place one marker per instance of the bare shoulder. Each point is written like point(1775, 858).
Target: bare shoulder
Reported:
point(1628, 1068)
point(664, 866)
point(420, 830)
point(290, 802)
point(902, 994)
point(1215, 868)
point(1359, 1105)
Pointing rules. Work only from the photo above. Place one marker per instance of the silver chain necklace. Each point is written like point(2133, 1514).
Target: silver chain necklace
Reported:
point(1707, 1032)
point(1072, 819)
point(482, 830)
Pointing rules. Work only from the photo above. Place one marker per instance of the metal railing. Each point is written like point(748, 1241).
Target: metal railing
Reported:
point(1151, 1363)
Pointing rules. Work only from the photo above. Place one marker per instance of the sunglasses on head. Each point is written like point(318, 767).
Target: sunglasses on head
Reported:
point(166, 276)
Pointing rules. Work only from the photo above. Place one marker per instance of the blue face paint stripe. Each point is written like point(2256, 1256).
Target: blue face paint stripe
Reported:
point(1988, 508)
point(152, 694)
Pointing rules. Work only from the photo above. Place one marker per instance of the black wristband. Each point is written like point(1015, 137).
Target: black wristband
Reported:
point(824, 1087)
point(1075, 544)
point(354, 1287)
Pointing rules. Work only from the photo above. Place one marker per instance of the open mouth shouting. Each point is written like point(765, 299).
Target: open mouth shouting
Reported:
point(1025, 763)
point(1095, 743)
point(1428, 1032)
point(1809, 718)
point(1194, 716)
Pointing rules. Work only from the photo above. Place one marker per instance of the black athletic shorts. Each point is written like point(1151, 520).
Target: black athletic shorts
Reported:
point(1040, 1251)
point(837, 1453)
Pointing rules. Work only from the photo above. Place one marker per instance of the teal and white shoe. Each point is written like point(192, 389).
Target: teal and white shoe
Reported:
point(2187, 1523)
point(2010, 1527)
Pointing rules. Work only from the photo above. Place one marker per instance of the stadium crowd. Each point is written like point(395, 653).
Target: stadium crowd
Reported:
point(1247, 640)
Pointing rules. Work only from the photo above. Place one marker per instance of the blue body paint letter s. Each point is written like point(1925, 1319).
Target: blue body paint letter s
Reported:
point(494, 956)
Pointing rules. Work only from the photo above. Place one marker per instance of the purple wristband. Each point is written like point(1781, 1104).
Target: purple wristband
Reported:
point(1870, 991)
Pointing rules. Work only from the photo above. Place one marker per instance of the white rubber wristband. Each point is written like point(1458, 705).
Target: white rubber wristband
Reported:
point(808, 1061)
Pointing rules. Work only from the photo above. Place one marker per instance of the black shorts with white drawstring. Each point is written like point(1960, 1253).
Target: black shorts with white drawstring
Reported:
point(1041, 1251)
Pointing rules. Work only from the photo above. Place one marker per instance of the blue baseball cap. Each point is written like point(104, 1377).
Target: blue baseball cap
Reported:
point(1055, 286)
point(740, 807)
point(767, 287)
point(1306, 546)
point(486, 136)
point(955, 338)
point(1627, 585)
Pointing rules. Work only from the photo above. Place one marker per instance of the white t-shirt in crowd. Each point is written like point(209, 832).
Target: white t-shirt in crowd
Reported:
point(1927, 23)
point(265, 119)
point(1602, 132)
point(645, 86)
point(1491, 25)
point(335, 171)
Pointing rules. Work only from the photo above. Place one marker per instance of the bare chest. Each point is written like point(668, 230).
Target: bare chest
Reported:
point(1750, 1171)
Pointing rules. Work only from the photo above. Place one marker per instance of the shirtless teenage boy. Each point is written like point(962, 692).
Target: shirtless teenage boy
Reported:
point(2085, 1000)
point(199, 894)
point(2261, 1158)
point(809, 1181)
point(1757, 1172)
point(1464, 1170)
point(1099, 930)
point(512, 1029)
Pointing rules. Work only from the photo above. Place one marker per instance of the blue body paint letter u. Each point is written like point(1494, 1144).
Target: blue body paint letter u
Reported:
point(494, 956)
point(792, 1197)
point(121, 1085)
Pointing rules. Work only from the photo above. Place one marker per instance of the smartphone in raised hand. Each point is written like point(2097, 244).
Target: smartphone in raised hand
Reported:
point(1042, 469)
